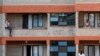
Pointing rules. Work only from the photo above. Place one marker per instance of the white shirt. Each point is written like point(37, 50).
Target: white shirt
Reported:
point(6, 24)
point(81, 54)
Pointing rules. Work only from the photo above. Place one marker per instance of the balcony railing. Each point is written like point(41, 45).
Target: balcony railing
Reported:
point(52, 31)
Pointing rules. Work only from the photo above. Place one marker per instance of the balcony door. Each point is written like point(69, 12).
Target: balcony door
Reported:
point(34, 51)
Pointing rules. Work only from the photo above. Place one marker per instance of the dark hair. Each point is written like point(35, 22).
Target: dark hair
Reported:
point(81, 52)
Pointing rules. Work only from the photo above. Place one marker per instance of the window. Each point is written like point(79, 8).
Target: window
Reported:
point(31, 21)
point(37, 21)
point(71, 49)
point(70, 43)
point(54, 53)
point(92, 20)
point(63, 54)
point(54, 48)
point(62, 48)
point(89, 50)
point(98, 20)
point(34, 50)
point(62, 43)
point(62, 19)
point(89, 20)
point(54, 43)
point(70, 54)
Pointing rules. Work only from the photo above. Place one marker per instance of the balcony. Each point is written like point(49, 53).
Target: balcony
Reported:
point(24, 27)
point(88, 24)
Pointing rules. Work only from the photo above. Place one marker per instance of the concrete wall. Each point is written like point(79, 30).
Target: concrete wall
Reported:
point(87, 1)
point(2, 23)
point(14, 50)
point(52, 31)
point(88, 32)
point(37, 2)
point(1, 2)
point(1, 31)
point(15, 20)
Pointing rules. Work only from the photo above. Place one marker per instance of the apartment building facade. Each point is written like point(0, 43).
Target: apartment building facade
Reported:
point(50, 27)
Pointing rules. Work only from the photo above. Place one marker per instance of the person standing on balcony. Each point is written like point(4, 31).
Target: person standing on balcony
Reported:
point(8, 27)
point(81, 54)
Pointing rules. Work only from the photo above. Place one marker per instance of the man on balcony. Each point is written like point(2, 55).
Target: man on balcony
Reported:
point(8, 27)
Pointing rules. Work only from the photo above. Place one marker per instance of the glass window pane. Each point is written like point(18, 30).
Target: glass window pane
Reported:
point(98, 20)
point(62, 49)
point(70, 53)
point(86, 20)
point(62, 20)
point(70, 43)
point(54, 43)
point(62, 43)
point(35, 21)
point(63, 54)
point(54, 19)
point(35, 51)
point(71, 19)
point(71, 49)
point(91, 50)
point(91, 20)
point(54, 48)
point(53, 53)
point(40, 21)
point(40, 50)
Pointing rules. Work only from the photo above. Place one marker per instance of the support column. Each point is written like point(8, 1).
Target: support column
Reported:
point(77, 49)
point(76, 19)
point(2, 50)
point(2, 23)
point(48, 47)
point(24, 51)
point(77, 46)
point(48, 20)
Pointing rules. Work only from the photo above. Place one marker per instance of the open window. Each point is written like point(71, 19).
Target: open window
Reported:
point(34, 50)
point(89, 20)
point(37, 20)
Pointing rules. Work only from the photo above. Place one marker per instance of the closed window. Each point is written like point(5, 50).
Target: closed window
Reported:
point(71, 49)
point(62, 19)
point(63, 54)
point(62, 48)
point(37, 21)
point(54, 48)
point(62, 43)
